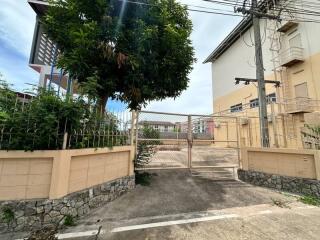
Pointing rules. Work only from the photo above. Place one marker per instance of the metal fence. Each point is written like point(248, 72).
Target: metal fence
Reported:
point(186, 141)
point(51, 129)
point(164, 136)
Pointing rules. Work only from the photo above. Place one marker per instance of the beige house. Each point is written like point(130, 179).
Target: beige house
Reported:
point(291, 55)
point(161, 126)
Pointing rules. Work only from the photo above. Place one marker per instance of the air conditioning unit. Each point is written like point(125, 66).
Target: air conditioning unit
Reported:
point(244, 121)
point(270, 118)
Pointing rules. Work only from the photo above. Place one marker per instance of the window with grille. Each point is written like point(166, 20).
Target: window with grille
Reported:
point(254, 103)
point(271, 98)
point(236, 108)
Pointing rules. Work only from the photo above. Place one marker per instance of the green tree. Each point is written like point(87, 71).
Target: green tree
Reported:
point(127, 51)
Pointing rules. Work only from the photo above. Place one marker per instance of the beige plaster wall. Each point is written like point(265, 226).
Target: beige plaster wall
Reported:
point(286, 162)
point(54, 174)
point(89, 170)
point(24, 178)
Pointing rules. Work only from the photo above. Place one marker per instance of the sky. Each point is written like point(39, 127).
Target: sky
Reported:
point(17, 21)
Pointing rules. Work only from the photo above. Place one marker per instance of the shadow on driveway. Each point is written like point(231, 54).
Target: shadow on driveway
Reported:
point(177, 191)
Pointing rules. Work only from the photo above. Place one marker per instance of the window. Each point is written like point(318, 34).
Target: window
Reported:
point(271, 98)
point(166, 128)
point(301, 90)
point(236, 108)
point(254, 103)
point(156, 127)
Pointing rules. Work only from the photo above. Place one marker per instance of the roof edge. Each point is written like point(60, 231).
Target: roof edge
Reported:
point(236, 33)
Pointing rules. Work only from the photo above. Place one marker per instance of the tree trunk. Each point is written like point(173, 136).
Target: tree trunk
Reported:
point(102, 104)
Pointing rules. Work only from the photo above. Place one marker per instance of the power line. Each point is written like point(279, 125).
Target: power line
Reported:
point(232, 3)
point(208, 9)
point(280, 8)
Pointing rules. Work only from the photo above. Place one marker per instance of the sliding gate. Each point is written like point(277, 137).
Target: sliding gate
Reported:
point(205, 144)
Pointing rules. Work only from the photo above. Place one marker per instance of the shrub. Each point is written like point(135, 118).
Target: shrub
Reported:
point(41, 122)
point(146, 149)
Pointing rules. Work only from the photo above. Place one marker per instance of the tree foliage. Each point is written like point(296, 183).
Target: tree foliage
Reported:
point(132, 52)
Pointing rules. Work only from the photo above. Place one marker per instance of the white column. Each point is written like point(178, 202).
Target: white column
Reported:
point(42, 78)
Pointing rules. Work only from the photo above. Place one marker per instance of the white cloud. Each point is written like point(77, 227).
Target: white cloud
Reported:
point(17, 25)
point(17, 21)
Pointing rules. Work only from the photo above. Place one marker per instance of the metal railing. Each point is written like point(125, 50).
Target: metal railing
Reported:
point(310, 138)
point(300, 104)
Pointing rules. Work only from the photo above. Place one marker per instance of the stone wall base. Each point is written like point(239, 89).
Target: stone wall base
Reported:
point(27, 215)
point(290, 184)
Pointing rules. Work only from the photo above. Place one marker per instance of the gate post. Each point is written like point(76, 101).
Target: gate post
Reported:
point(136, 131)
point(274, 126)
point(132, 133)
point(238, 131)
point(189, 142)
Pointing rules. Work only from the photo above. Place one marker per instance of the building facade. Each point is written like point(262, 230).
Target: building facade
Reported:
point(291, 55)
point(44, 54)
point(160, 126)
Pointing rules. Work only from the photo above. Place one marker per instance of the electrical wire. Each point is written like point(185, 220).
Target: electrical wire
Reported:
point(212, 10)
point(287, 15)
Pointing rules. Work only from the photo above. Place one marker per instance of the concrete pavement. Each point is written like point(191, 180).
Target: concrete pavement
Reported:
point(180, 205)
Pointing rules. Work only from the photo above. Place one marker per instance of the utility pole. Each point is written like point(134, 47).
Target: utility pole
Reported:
point(263, 115)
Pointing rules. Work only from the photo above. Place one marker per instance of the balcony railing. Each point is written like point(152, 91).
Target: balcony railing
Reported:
point(301, 104)
point(291, 56)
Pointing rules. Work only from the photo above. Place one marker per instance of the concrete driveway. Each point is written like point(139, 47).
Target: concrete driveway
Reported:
point(179, 205)
point(178, 191)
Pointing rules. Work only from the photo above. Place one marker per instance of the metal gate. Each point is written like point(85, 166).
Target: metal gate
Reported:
point(205, 144)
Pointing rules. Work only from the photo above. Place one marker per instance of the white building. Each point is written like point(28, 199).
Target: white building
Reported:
point(291, 55)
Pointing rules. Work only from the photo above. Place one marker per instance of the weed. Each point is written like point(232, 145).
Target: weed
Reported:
point(7, 215)
point(310, 200)
point(280, 203)
point(69, 221)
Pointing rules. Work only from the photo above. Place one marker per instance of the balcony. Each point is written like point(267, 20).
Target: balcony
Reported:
point(287, 26)
point(291, 56)
point(301, 105)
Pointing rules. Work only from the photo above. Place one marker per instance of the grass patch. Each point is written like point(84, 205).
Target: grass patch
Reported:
point(310, 200)
point(69, 221)
point(143, 178)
